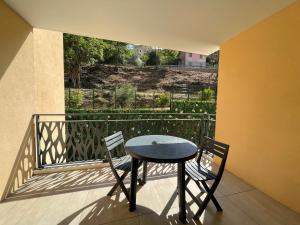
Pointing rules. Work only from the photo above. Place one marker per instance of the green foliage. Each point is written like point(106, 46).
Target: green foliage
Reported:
point(163, 100)
point(125, 95)
point(161, 57)
point(213, 59)
point(76, 99)
point(119, 110)
point(145, 58)
point(194, 107)
point(153, 58)
point(207, 94)
point(79, 50)
point(117, 53)
point(168, 57)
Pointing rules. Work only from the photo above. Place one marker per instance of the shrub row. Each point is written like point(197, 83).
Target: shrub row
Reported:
point(194, 107)
point(118, 110)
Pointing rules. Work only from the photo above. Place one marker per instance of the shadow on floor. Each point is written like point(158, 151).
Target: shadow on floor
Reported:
point(115, 211)
point(70, 181)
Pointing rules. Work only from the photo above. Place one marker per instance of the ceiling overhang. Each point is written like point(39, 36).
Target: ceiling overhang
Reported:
point(198, 26)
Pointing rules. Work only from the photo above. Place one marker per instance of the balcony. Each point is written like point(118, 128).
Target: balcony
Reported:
point(53, 168)
point(79, 197)
point(73, 178)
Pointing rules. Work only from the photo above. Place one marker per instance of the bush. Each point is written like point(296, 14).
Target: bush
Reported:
point(125, 95)
point(163, 100)
point(207, 95)
point(194, 107)
point(76, 99)
point(138, 110)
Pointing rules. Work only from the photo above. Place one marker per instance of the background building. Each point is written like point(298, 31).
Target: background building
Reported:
point(192, 59)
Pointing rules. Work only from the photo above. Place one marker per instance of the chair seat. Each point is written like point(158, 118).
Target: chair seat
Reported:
point(197, 172)
point(122, 163)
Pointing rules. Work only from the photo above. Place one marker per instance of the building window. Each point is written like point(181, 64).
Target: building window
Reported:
point(190, 54)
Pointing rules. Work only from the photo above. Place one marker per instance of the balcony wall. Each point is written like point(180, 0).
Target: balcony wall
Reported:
point(259, 105)
point(31, 81)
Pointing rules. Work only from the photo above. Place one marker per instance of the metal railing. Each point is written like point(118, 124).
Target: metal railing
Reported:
point(73, 138)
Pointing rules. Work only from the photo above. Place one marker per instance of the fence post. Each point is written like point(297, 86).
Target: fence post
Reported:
point(170, 101)
point(93, 98)
point(135, 97)
point(153, 100)
point(69, 103)
point(115, 96)
point(37, 142)
point(172, 96)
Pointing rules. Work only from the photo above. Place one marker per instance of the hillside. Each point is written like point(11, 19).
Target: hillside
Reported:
point(146, 78)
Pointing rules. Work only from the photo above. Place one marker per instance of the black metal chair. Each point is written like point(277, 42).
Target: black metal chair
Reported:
point(201, 171)
point(120, 161)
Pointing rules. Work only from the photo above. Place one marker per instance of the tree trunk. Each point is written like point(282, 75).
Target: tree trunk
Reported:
point(75, 75)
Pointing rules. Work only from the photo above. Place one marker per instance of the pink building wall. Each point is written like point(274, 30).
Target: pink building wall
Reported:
point(192, 59)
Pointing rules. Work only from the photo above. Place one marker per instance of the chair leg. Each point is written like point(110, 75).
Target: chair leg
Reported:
point(119, 183)
point(200, 187)
point(195, 199)
point(216, 203)
point(124, 189)
point(206, 201)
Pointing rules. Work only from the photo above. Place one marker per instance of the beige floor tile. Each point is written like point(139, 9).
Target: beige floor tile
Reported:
point(264, 210)
point(130, 221)
point(100, 209)
point(17, 212)
point(231, 184)
point(80, 198)
point(231, 216)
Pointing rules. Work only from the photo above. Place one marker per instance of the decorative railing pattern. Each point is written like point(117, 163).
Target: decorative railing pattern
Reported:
point(78, 137)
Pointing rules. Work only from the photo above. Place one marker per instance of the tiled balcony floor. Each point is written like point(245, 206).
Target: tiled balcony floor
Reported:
point(79, 197)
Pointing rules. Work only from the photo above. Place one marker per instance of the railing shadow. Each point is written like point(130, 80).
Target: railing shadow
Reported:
point(23, 166)
point(108, 210)
point(72, 181)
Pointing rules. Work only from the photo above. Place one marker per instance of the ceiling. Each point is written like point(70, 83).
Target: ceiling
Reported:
point(198, 26)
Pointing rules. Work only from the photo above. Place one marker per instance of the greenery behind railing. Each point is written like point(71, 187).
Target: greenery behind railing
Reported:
point(79, 137)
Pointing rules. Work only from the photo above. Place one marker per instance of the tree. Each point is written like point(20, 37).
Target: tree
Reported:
point(161, 57)
point(117, 53)
point(213, 59)
point(153, 58)
point(168, 57)
point(80, 51)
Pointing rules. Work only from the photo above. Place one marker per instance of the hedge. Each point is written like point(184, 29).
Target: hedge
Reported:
point(194, 107)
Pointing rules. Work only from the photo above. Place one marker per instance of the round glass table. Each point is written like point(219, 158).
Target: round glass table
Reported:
point(160, 149)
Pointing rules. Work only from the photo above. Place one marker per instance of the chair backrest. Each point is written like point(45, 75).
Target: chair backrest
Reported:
point(215, 148)
point(112, 142)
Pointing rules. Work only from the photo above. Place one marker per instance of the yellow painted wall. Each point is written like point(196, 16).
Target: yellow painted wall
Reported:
point(31, 81)
point(259, 105)
point(49, 71)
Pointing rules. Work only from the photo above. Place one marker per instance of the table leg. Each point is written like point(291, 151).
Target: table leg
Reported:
point(145, 164)
point(181, 191)
point(134, 173)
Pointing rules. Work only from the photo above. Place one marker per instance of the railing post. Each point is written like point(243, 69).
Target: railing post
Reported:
point(37, 142)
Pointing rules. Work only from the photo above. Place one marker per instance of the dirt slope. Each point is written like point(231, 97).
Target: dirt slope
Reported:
point(148, 78)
